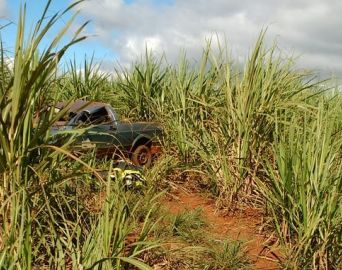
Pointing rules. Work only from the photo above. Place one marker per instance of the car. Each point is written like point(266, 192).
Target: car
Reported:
point(107, 133)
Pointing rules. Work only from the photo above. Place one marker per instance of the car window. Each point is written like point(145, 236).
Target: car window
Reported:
point(97, 117)
point(83, 119)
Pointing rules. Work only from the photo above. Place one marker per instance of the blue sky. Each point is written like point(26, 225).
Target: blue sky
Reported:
point(120, 30)
point(34, 11)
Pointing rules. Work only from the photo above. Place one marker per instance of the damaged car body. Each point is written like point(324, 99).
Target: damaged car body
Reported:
point(104, 131)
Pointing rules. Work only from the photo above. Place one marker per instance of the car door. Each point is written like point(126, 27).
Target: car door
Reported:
point(101, 130)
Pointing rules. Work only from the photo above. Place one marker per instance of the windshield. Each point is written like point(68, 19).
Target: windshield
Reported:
point(99, 116)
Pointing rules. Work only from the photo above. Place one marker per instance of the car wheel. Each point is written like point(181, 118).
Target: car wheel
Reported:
point(142, 156)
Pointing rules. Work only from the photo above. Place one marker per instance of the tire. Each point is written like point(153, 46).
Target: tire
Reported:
point(142, 156)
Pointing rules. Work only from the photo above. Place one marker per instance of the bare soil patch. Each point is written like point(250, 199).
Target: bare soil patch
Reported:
point(242, 226)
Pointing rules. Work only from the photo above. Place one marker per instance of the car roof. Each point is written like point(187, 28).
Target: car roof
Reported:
point(80, 105)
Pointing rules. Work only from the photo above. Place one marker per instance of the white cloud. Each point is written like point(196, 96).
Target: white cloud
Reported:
point(3, 9)
point(311, 28)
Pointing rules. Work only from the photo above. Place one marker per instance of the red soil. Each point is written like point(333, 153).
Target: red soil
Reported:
point(241, 226)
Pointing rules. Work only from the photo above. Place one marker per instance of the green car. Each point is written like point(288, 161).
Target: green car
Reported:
point(104, 131)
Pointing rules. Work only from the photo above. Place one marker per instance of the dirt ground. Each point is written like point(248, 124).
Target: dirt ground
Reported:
point(242, 226)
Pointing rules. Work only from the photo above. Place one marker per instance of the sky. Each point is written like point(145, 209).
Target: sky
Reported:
point(120, 30)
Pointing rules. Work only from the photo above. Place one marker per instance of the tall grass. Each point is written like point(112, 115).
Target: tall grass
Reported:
point(22, 140)
point(263, 133)
point(304, 186)
point(217, 117)
point(43, 221)
point(245, 118)
point(85, 81)
point(142, 88)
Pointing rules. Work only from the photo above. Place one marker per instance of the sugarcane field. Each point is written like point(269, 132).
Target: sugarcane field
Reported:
point(170, 135)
